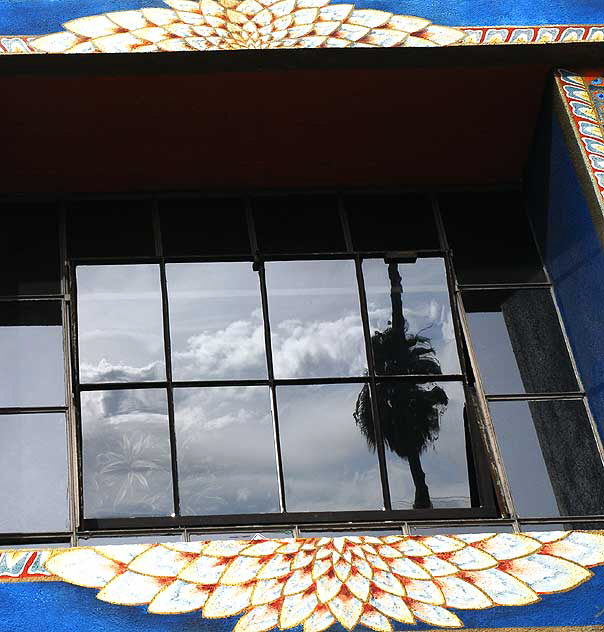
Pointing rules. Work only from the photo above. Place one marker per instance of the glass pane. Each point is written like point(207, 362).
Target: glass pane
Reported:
point(120, 330)
point(316, 328)
point(410, 317)
point(32, 372)
point(110, 228)
point(518, 342)
point(328, 463)
point(33, 485)
point(216, 322)
point(490, 237)
point(424, 432)
point(29, 257)
point(126, 454)
point(550, 457)
point(243, 535)
point(208, 226)
point(298, 223)
point(446, 530)
point(349, 531)
point(386, 223)
point(226, 450)
point(156, 538)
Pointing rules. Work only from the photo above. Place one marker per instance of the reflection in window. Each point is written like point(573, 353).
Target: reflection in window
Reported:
point(316, 328)
point(518, 342)
point(327, 466)
point(32, 372)
point(423, 425)
point(410, 317)
point(551, 458)
point(120, 331)
point(216, 322)
point(226, 450)
point(126, 455)
point(33, 486)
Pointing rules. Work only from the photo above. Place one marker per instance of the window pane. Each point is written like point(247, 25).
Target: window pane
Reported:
point(216, 322)
point(298, 223)
point(316, 328)
point(33, 486)
point(424, 433)
point(241, 535)
point(120, 331)
point(410, 317)
point(550, 456)
point(110, 228)
point(490, 237)
point(126, 454)
point(226, 450)
point(32, 372)
point(29, 257)
point(386, 223)
point(327, 461)
point(518, 342)
point(208, 226)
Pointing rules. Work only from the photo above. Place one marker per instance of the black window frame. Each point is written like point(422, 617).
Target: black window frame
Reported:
point(497, 513)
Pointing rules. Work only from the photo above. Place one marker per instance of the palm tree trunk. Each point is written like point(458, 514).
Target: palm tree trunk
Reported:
point(422, 494)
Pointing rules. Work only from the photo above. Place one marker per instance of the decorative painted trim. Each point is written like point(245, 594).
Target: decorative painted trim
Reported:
point(204, 25)
point(579, 94)
point(317, 582)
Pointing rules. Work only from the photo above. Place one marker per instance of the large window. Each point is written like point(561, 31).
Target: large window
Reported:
point(188, 364)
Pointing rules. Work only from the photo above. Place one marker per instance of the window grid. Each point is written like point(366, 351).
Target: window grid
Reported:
point(154, 528)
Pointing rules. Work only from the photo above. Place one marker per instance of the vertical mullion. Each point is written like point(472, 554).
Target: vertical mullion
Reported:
point(379, 439)
point(167, 356)
point(259, 267)
point(70, 416)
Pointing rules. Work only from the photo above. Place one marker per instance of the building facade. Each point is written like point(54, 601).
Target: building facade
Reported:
point(302, 338)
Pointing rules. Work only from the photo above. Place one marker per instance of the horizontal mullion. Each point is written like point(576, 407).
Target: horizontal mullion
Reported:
point(93, 261)
point(421, 377)
point(295, 518)
point(218, 383)
point(476, 287)
point(29, 410)
point(113, 386)
point(513, 397)
point(23, 298)
point(58, 537)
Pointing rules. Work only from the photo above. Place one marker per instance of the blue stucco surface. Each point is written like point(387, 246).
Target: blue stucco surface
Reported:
point(21, 17)
point(574, 259)
point(45, 606)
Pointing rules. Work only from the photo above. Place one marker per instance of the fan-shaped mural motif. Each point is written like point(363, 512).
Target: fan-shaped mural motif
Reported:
point(186, 25)
point(375, 582)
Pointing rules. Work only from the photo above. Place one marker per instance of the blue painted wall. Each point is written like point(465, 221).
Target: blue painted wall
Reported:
point(573, 255)
point(58, 607)
point(34, 17)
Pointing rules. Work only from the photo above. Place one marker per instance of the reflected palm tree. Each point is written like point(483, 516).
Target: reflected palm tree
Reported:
point(409, 411)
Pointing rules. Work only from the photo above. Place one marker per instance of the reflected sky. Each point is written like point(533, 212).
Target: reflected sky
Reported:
point(327, 463)
point(120, 331)
point(443, 461)
point(518, 342)
point(226, 450)
point(215, 321)
point(316, 328)
point(33, 486)
point(426, 306)
point(32, 372)
point(126, 455)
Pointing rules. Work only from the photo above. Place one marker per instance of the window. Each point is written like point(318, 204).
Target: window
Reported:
point(286, 362)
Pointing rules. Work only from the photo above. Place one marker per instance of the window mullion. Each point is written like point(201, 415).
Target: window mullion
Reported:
point(259, 267)
point(379, 439)
point(502, 484)
point(168, 360)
